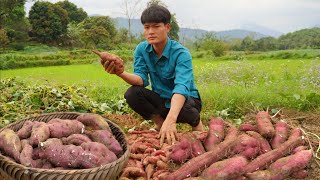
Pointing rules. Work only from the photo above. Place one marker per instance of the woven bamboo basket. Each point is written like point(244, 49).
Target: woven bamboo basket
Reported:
point(10, 170)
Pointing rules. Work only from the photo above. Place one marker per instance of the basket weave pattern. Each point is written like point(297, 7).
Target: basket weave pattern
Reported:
point(12, 170)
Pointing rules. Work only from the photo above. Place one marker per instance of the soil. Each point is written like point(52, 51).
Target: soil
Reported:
point(308, 121)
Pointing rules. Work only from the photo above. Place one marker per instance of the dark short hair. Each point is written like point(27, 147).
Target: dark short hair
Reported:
point(156, 14)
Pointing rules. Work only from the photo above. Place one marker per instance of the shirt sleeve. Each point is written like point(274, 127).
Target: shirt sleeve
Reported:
point(184, 75)
point(140, 66)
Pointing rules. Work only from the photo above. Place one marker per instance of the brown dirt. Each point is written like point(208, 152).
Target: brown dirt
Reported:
point(308, 121)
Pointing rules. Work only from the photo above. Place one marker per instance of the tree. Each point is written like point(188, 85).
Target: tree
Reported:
point(248, 44)
point(4, 40)
point(210, 43)
point(130, 9)
point(98, 31)
point(174, 32)
point(266, 44)
point(75, 14)
point(49, 21)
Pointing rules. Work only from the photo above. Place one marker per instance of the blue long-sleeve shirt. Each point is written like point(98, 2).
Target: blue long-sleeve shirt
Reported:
point(171, 73)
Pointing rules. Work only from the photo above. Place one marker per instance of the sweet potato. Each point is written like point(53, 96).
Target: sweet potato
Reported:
point(49, 142)
point(106, 137)
point(40, 132)
point(76, 139)
point(182, 150)
point(248, 127)
point(281, 134)
point(25, 131)
point(263, 143)
point(246, 146)
point(149, 170)
point(133, 172)
point(215, 134)
point(63, 128)
point(265, 159)
point(226, 169)
point(284, 167)
point(101, 149)
point(197, 164)
point(105, 56)
point(264, 124)
point(301, 174)
point(300, 148)
point(10, 144)
point(93, 122)
point(295, 133)
point(26, 157)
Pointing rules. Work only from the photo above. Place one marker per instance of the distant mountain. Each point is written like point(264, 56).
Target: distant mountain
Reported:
point(191, 34)
point(261, 29)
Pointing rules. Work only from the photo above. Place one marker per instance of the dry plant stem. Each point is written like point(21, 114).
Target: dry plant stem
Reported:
point(315, 153)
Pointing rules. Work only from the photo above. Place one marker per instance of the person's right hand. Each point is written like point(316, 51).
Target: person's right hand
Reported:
point(113, 64)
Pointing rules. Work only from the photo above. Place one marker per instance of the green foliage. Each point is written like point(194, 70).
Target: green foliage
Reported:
point(174, 32)
point(11, 11)
point(75, 14)
point(305, 38)
point(20, 100)
point(210, 43)
point(49, 21)
point(4, 40)
point(98, 31)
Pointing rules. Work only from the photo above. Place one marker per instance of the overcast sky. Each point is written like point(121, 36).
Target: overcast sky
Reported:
point(217, 15)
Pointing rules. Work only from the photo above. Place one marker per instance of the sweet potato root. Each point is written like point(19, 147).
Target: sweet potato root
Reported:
point(264, 124)
point(265, 159)
point(93, 122)
point(215, 134)
point(40, 132)
point(10, 144)
point(63, 128)
point(25, 131)
point(76, 139)
point(226, 169)
point(106, 137)
point(246, 146)
point(281, 134)
point(248, 127)
point(101, 149)
point(263, 143)
point(197, 164)
point(26, 157)
point(182, 150)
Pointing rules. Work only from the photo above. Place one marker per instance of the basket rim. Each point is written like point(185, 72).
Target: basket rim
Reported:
point(65, 171)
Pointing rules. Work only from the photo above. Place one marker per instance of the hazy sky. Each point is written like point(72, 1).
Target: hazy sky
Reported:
point(216, 15)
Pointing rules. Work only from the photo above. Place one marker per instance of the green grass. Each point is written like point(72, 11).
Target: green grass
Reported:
point(238, 85)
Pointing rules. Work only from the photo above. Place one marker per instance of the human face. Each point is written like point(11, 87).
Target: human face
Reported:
point(156, 33)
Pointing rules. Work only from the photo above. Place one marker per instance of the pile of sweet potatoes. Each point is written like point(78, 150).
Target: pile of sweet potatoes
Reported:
point(261, 150)
point(84, 142)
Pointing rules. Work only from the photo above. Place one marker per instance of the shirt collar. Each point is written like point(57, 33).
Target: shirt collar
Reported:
point(166, 50)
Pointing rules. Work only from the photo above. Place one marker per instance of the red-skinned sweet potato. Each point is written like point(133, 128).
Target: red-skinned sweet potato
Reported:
point(99, 148)
point(182, 150)
point(25, 131)
point(281, 134)
point(226, 169)
point(248, 127)
point(26, 157)
point(264, 124)
point(215, 134)
point(246, 146)
point(263, 143)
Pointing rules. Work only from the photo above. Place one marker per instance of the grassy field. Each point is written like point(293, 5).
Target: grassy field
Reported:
point(238, 85)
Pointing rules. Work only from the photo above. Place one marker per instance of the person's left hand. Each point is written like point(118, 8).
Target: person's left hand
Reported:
point(168, 131)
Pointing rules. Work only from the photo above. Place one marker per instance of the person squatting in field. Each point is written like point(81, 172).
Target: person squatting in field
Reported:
point(174, 97)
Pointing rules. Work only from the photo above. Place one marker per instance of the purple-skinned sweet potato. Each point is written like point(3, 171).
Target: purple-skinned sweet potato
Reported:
point(10, 144)
point(263, 143)
point(99, 148)
point(215, 134)
point(246, 146)
point(63, 128)
point(25, 131)
point(94, 122)
point(106, 137)
point(40, 132)
point(26, 157)
point(76, 139)
point(49, 142)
